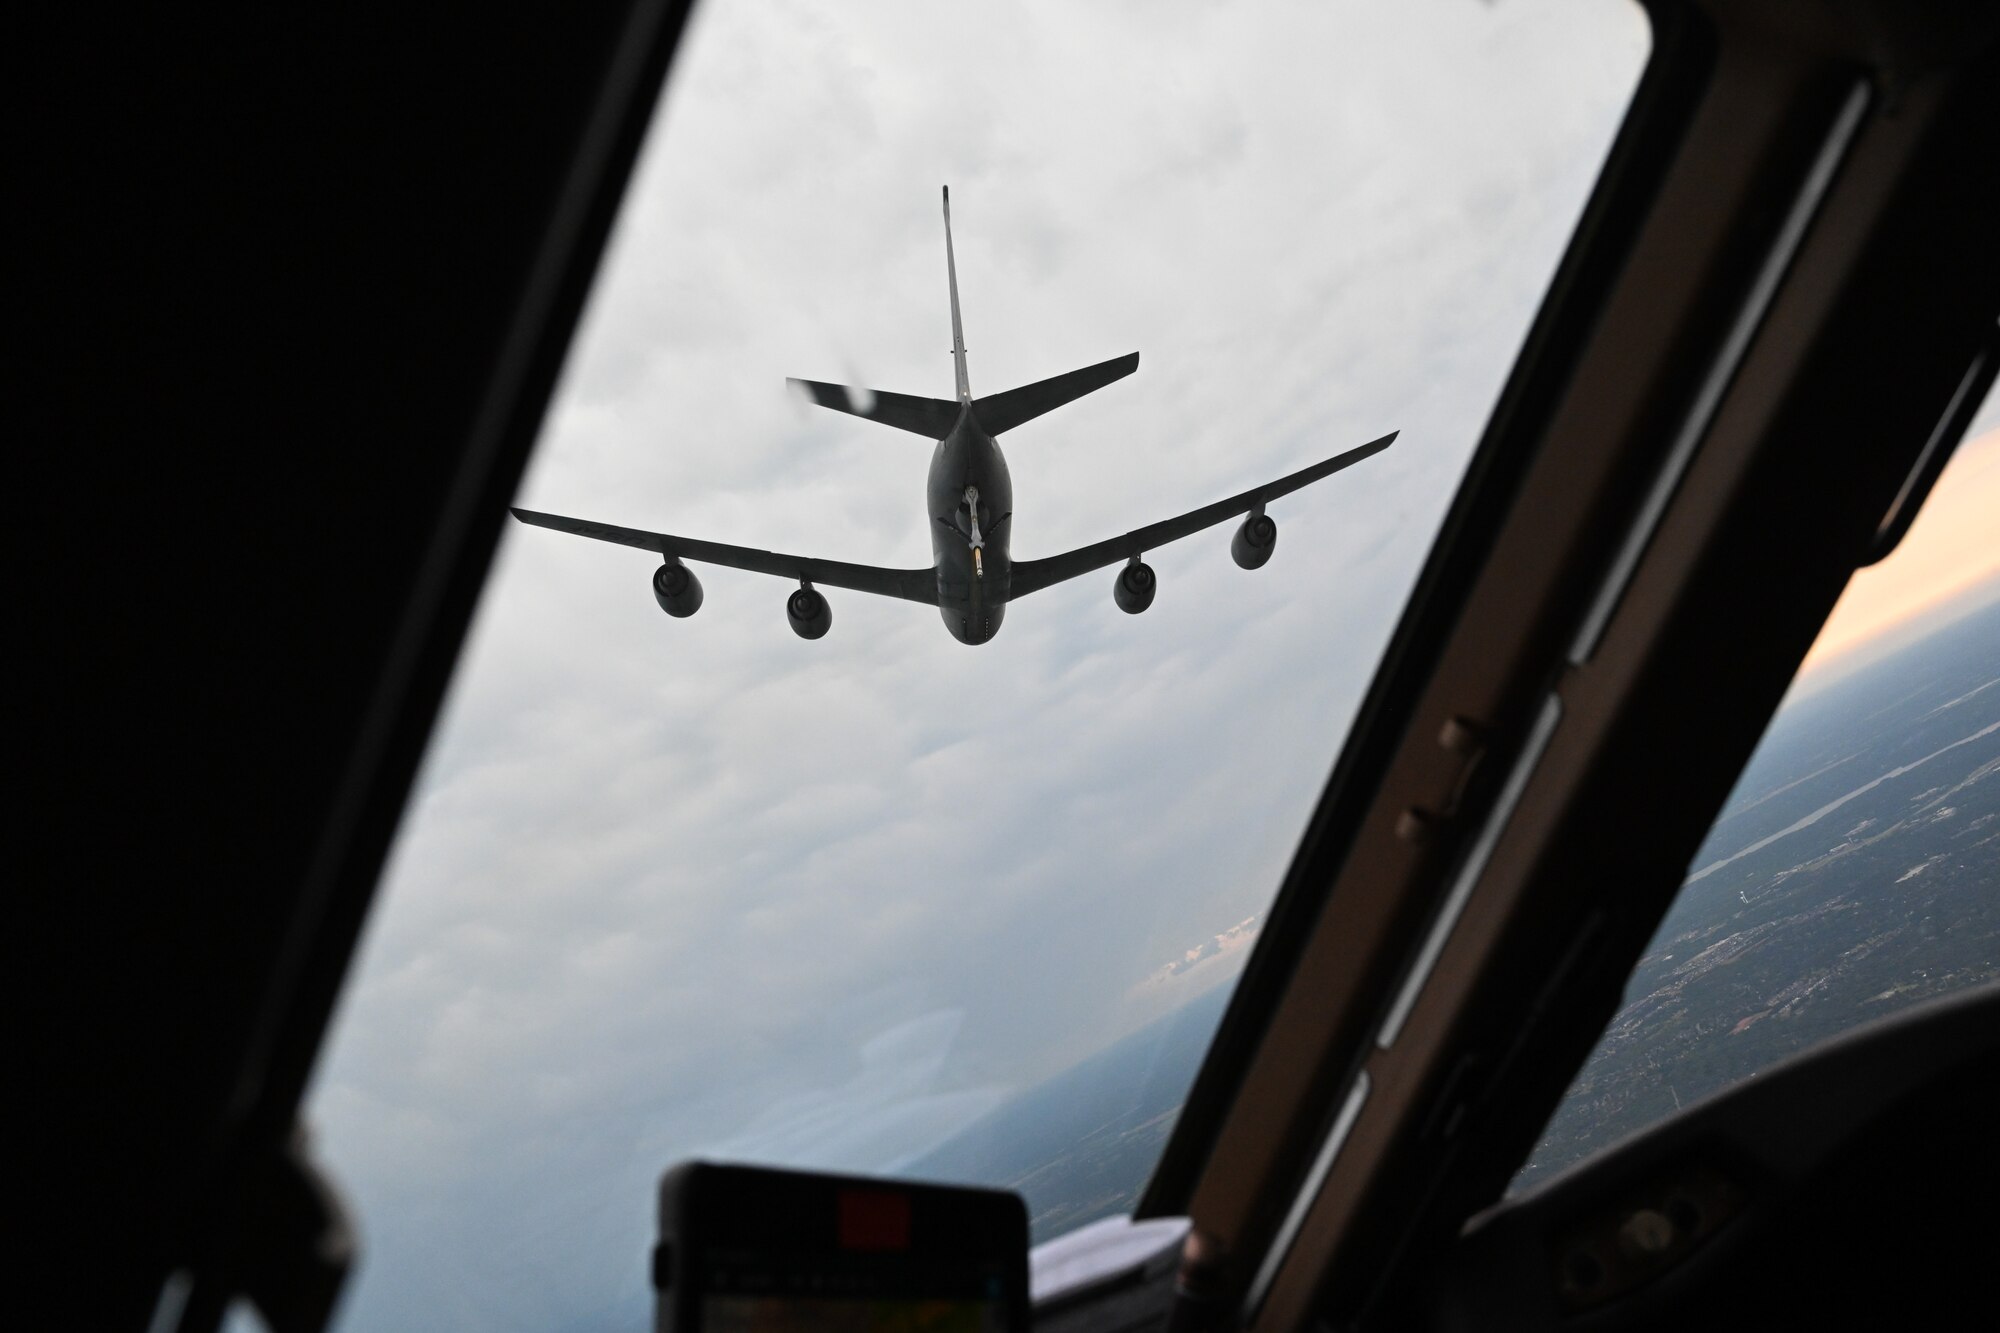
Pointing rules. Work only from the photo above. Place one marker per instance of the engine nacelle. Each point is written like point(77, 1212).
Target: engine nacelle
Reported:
point(677, 590)
point(809, 613)
point(1135, 588)
point(1254, 541)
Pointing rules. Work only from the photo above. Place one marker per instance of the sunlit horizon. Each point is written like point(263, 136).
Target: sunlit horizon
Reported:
point(1948, 556)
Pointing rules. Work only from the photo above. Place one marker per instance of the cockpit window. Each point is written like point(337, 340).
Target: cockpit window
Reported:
point(743, 881)
point(1853, 870)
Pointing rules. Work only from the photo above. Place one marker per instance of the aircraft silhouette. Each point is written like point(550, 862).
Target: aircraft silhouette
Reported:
point(972, 576)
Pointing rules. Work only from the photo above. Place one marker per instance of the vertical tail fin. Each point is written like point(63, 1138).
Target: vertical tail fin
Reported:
point(957, 333)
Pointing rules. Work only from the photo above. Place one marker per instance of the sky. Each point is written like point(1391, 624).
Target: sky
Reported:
point(680, 887)
point(1948, 555)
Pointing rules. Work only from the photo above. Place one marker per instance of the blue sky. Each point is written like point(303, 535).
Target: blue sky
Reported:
point(674, 887)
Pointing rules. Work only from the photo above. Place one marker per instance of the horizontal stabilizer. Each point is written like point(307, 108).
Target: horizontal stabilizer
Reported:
point(933, 417)
point(1004, 411)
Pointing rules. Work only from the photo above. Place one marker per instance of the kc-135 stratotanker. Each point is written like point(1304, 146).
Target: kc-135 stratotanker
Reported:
point(972, 576)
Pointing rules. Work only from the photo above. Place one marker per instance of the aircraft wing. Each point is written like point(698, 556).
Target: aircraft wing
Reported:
point(912, 585)
point(1034, 575)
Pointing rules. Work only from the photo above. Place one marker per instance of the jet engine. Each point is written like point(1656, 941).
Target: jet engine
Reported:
point(809, 613)
point(676, 589)
point(1135, 588)
point(1254, 541)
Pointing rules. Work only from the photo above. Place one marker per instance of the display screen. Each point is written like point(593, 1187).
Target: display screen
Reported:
point(849, 1314)
point(760, 1250)
point(872, 1291)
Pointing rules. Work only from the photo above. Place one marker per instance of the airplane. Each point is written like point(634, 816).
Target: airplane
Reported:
point(972, 575)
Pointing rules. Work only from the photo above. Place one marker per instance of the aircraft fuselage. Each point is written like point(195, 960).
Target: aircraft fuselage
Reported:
point(971, 500)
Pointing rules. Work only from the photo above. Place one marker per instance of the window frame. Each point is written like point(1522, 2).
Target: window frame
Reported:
point(1787, 182)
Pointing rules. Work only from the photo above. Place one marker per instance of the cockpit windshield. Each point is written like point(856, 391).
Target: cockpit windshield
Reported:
point(1851, 873)
point(697, 885)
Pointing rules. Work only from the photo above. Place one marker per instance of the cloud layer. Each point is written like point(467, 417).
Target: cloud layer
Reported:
point(671, 887)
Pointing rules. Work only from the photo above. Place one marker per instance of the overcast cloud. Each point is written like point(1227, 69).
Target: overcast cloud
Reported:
point(672, 887)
